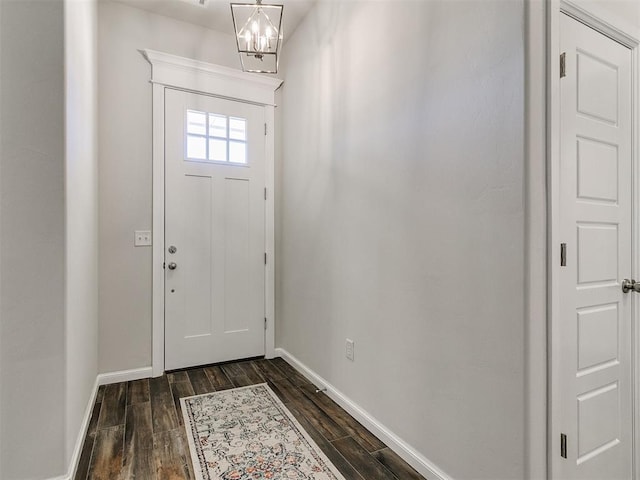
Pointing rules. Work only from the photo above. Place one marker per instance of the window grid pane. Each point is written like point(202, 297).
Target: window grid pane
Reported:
point(217, 150)
point(196, 147)
point(217, 126)
point(237, 128)
point(215, 137)
point(196, 122)
point(237, 152)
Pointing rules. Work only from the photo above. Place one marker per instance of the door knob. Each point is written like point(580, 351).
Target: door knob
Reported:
point(172, 266)
point(628, 285)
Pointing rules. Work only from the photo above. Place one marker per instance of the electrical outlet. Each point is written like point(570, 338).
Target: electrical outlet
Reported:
point(142, 238)
point(349, 349)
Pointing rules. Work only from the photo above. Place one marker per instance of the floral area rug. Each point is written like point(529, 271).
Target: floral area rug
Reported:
point(248, 434)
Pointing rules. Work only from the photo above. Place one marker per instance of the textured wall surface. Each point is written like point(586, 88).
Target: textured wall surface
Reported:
point(32, 226)
point(81, 194)
point(401, 220)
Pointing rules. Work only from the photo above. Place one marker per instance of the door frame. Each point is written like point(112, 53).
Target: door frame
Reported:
point(171, 71)
point(629, 37)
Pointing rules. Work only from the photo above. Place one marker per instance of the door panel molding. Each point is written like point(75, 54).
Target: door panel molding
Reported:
point(631, 39)
point(171, 71)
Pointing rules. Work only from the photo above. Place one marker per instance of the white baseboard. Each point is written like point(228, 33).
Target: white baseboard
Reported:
point(82, 432)
point(409, 454)
point(101, 379)
point(77, 449)
point(125, 375)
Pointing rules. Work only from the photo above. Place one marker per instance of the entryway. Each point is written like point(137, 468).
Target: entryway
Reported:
point(213, 213)
point(214, 230)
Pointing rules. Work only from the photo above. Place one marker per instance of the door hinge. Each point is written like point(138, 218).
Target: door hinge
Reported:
point(265, 193)
point(265, 258)
point(563, 65)
point(563, 445)
point(265, 128)
point(563, 254)
point(265, 323)
point(164, 265)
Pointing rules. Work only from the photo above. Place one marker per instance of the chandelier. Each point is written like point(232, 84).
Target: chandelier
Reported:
point(258, 29)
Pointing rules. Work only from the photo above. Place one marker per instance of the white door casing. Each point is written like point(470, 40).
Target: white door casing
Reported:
point(214, 233)
point(171, 71)
point(592, 389)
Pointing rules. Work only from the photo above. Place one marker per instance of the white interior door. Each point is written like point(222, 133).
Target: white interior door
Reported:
point(592, 392)
point(214, 229)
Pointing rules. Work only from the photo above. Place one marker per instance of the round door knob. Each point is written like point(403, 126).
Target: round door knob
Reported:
point(628, 285)
point(172, 266)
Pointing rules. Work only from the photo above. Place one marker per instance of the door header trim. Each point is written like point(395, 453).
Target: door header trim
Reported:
point(188, 74)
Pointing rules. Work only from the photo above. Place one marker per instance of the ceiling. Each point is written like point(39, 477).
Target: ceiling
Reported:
point(216, 14)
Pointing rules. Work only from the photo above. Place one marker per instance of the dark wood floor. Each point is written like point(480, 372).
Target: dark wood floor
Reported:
point(136, 429)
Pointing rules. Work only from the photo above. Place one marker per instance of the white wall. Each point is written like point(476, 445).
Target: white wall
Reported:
point(401, 220)
point(81, 188)
point(32, 252)
point(125, 167)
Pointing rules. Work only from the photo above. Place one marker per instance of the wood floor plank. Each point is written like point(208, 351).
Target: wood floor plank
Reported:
point(138, 443)
point(361, 460)
point(87, 448)
point(170, 456)
point(200, 381)
point(291, 373)
point(187, 454)
point(327, 448)
point(285, 390)
point(223, 387)
point(319, 419)
point(396, 465)
point(100, 394)
point(82, 472)
point(241, 381)
point(251, 372)
point(138, 391)
point(93, 421)
point(163, 410)
point(106, 461)
point(232, 370)
point(217, 377)
point(179, 390)
point(268, 370)
point(350, 425)
point(114, 404)
point(180, 376)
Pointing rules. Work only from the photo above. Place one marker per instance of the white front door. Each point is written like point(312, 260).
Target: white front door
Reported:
point(592, 391)
point(214, 229)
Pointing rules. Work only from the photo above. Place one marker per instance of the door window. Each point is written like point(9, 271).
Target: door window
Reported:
point(215, 138)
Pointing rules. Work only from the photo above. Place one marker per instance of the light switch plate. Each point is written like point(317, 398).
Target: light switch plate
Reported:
point(142, 238)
